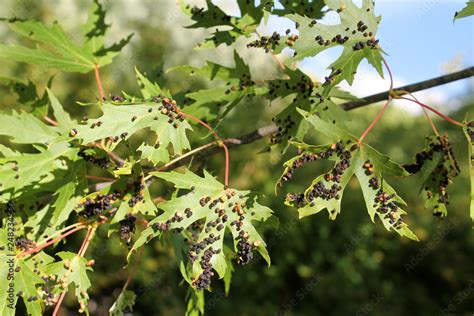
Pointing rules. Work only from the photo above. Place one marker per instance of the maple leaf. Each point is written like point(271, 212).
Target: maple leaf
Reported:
point(436, 166)
point(356, 33)
point(210, 210)
point(361, 160)
point(57, 50)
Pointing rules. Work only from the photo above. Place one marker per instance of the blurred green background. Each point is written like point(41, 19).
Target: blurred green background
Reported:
point(320, 267)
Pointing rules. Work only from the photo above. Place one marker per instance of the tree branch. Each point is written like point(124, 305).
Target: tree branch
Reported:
point(423, 85)
point(348, 106)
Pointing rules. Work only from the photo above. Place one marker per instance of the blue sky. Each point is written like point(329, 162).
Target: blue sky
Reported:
point(422, 42)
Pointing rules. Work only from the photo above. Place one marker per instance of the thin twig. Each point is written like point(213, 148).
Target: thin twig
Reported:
point(367, 131)
point(36, 249)
point(379, 115)
point(82, 251)
point(430, 121)
point(99, 83)
point(99, 178)
point(184, 156)
point(59, 302)
point(87, 240)
point(111, 154)
point(89, 229)
point(134, 269)
point(50, 120)
point(389, 73)
point(450, 120)
point(59, 232)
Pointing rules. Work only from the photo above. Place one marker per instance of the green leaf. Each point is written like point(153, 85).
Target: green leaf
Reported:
point(195, 303)
point(67, 197)
point(62, 52)
point(146, 206)
point(39, 56)
point(72, 269)
point(315, 38)
point(469, 132)
point(25, 128)
point(381, 199)
point(384, 163)
point(437, 167)
point(149, 89)
point(233, 26)
point(20, 275)
point(124, 302)
point(209, 102)
point(316, 204)
point(332, 131)
point(468, 10)
point(65, 123)
point(18, 172)
point(335, 133)
point(119, 122)
point(27, 94)
point(311, 9)
point(350, 158)
point(153, 154)
point(219, 214)
point(94, 32)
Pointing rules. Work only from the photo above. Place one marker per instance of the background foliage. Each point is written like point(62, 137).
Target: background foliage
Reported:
point(318, 266)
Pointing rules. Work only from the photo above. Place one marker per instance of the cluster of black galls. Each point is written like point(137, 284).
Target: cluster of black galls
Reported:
point(170, 109)
point(102, 162)
point(284, 128)
point(339, 39)
point(48, 296)
point(371, 43)
point(196, 248)
point(444, 173)
point(24, 244)
point(266, 42)
point(333, 178)
point(470, 131)
point(303, 87)
point(127, 227)
point(204, 280)
point(299, 162)
point(96, 206)
point(244, 82)
point(244, 249)
point(137, 196)
point(330, 78)
point(216, 15)
point(176, 218)
point(384, 204)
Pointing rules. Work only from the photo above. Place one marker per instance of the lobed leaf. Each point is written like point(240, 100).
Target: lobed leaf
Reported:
point(356, 33)
point(72, 269)
point(350, 158)
point(63, 53)
point(211, 210)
